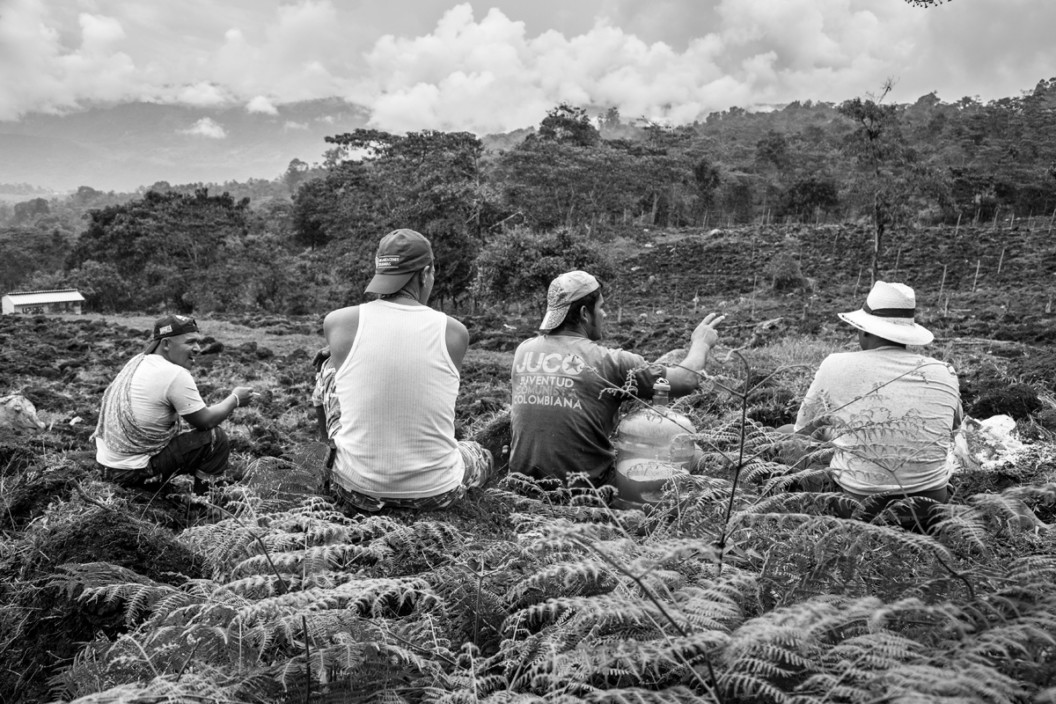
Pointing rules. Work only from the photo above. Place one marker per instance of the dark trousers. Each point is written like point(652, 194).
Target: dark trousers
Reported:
point(196, 451)
point(917, 514)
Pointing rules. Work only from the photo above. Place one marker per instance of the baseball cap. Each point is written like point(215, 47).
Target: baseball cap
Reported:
point(563, 292)
point(169, 326)
point(401, 253)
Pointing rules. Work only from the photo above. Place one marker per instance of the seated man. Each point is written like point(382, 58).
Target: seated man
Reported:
point(397, 368)
point(562, 417)
point(890, 413)
point(137, 439)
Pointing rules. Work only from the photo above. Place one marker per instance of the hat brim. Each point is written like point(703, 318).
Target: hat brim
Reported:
point(901, 330)
point(384, 284)
point(553, 318)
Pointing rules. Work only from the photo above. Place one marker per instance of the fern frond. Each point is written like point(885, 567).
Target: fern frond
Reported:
point(189, 688)
point(373, 597)
point(604, 611)
point(102, 581)
point(748, 686)
point(633, 695)
point(565, 577)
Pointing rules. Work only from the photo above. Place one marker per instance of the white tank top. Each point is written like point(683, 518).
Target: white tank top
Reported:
point(397, 391)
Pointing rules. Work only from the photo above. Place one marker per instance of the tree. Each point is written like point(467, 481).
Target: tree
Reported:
point(569, 125)
point(165, 244)
point(295, 174)
point(805, 197)
point(31, 209)
point(428, 181)
point(519, 265)
point(877, 148)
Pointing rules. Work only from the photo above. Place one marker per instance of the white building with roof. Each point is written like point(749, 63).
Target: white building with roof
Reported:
point(42, 302)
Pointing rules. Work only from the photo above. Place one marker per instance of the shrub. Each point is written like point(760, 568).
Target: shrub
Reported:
point(519, 265)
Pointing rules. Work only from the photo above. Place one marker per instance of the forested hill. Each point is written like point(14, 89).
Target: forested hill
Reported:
point(506, 213)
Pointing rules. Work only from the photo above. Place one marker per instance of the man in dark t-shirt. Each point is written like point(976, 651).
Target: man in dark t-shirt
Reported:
point(566, 386)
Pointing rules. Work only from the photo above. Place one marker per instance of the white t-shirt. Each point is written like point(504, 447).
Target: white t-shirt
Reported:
point(161, 392)
point(894, 413)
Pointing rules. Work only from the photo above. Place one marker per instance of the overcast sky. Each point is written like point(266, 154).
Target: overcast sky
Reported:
point(499, 65)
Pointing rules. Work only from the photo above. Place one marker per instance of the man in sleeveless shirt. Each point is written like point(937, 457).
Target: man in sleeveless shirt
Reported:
point(138, 440)
point(564, 407)
point(397, 367)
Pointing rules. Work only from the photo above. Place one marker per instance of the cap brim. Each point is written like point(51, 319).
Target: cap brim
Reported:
point(553, 318)
point(904, 333)
point(385, 284)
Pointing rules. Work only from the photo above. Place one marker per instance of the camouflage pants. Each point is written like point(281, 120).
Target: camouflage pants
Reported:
point(479, 469)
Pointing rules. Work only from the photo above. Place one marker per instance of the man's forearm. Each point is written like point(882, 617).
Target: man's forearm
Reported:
point(684, 378)
point(212, 416)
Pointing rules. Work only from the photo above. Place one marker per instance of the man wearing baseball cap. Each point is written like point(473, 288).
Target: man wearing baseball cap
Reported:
point(397, 368)
point(888, 411)
point(563, 411)
point(138, 438)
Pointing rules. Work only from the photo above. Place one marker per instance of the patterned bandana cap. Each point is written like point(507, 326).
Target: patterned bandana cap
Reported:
point(170, 326)
point(564, 291)
point(401, 254)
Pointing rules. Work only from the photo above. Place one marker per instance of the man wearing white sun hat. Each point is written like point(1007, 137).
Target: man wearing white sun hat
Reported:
point(888, 411)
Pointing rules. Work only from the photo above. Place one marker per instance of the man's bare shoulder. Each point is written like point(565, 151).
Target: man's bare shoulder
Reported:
point(456, 326)
point(340, 316)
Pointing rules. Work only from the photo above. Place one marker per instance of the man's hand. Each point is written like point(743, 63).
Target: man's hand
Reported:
point(321, 356)
point(243, 393)
point(706, 333)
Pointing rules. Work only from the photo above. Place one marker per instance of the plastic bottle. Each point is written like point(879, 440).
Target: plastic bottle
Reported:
point(652, 445)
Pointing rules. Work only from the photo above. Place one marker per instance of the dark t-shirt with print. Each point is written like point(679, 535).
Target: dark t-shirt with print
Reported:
point(562, 417)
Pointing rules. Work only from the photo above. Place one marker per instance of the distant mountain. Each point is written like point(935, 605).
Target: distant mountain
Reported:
point(123, 147)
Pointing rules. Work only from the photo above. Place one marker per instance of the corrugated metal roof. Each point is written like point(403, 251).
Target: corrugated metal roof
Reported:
point(30, 298)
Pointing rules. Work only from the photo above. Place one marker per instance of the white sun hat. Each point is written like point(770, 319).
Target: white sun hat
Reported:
point(888, 313)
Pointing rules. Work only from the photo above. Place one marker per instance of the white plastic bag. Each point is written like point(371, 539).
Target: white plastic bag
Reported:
point(984, 444)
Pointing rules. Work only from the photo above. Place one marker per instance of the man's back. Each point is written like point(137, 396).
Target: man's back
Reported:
point(561, 414)
point(396, 389)
point(895, 411)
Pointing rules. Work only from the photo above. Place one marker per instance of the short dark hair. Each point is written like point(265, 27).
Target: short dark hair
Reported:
point(573, 314)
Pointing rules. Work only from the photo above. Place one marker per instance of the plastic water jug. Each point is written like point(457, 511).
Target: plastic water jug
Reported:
point(652, 445)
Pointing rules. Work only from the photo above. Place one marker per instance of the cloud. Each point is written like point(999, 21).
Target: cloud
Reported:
point(206, 127)
point(499, 65)
point(261, 104)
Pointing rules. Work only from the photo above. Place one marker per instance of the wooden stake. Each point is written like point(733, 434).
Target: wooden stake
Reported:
point(943, 284)
point(946, 310)
point(1001, 260)
point(976, 279)
point(996, 211)
point(755, 278)
point(958, 228)
point(307, 662)
point(855, 294)
point(898, 259)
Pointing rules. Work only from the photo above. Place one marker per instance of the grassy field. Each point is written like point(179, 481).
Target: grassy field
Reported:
point(228, 333)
